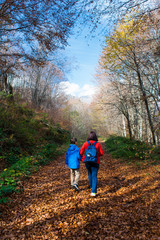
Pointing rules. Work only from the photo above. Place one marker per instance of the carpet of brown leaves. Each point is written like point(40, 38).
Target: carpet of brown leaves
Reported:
point(127, 205)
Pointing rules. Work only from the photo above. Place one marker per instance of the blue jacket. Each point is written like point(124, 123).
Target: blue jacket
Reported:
point(73, 157)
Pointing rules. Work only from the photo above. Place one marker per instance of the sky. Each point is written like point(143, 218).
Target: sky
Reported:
point(84, 54)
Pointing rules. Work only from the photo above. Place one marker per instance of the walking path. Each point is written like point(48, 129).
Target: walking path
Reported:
point(127, 205)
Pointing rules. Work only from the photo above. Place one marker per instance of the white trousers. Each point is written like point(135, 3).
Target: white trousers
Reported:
point(75, 175)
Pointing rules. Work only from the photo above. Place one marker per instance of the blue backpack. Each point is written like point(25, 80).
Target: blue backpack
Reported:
point(91, 153)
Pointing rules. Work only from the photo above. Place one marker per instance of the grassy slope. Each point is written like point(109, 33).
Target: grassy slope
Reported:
point(27, 141)
point(121, 147)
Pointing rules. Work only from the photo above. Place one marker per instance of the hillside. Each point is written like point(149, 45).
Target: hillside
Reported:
point(28, 139)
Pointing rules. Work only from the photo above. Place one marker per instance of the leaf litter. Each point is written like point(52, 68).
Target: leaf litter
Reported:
point(127, 205)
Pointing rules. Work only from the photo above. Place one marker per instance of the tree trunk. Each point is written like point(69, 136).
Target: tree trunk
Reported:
point(124, 126)
point(129, 127)
point(145, 101)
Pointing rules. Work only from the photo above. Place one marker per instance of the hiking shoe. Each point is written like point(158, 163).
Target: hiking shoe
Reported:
point(76, 187)
point(93, 194)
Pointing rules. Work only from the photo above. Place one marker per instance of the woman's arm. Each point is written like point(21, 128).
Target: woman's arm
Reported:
point(82, 150)
point(100, 150)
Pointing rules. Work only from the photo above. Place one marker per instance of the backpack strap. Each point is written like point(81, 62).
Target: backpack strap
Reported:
point(94, 143)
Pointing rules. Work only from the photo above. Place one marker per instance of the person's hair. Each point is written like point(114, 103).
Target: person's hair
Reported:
point(92, 136)
point(73, 140)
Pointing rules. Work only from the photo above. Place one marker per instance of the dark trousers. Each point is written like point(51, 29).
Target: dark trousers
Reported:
point(92, 169)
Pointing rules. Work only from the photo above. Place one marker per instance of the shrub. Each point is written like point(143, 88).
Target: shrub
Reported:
point(50, 150)
point(10, 177)
point(23, 168)
point(121, 147)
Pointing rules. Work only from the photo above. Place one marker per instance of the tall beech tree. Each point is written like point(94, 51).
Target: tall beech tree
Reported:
point(128, 55)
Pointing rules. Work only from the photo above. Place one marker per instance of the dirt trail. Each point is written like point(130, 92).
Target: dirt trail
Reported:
point(127, 205)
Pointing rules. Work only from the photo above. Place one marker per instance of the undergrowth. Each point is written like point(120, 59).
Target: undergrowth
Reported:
point(124, 148)
point(28, 140)
point(11, 178)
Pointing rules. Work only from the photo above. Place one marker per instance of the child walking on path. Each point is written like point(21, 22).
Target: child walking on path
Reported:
point(73, 161)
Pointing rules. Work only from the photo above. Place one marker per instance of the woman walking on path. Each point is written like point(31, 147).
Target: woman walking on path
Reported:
point(92, 150)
